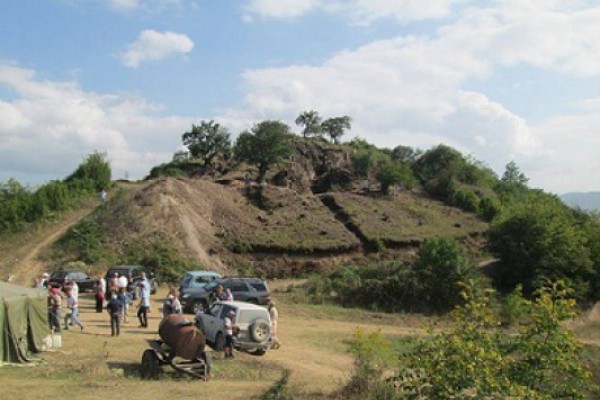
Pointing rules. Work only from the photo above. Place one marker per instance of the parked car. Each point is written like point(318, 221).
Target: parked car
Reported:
point(84, 281)
point(194, 280)
point(132, 272)
point(252, 321)
point(251, 290)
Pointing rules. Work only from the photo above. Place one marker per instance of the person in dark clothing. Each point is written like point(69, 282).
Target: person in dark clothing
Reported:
point(115, 308)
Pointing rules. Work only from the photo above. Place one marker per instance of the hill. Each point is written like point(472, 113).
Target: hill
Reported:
point(585, 200)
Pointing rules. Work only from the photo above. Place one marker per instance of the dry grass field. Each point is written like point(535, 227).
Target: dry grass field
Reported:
point(92, 364)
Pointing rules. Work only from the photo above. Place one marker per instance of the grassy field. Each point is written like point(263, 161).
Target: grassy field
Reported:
point(92, 364)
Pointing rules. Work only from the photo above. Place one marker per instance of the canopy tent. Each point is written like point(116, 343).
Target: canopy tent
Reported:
point(23, 322)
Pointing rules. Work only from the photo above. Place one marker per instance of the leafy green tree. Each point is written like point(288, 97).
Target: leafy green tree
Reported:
point(391, 173)
point(405, 154)
point(541, 240)
point(268, 144)
point(441, 265)
point(336, 127)
point(93, 174)
point(512, 174)
point(207, 140)
point(311, 121)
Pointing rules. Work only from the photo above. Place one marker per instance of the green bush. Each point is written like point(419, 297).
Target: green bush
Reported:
point(465, 199)
point(441, 266)
point(479, 360)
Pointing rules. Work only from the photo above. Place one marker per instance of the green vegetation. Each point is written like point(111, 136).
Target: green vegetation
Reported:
point(267, 145)
point(542, 240)
point(431, 283)
point(477, 359)
point(206, 141)
point(20, 206)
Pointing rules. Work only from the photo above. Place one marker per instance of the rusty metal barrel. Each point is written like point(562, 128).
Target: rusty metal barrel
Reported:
point(182, 336)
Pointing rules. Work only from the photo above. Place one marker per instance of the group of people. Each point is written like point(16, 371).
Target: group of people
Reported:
point(68, 295)
point(115, 296)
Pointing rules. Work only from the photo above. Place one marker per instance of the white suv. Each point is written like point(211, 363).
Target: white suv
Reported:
point(253, 322)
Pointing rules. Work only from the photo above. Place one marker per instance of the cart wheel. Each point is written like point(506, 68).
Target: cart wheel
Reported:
point(151, 367)
point(208, 365)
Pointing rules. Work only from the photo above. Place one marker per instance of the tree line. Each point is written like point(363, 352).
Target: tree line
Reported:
point(20, 206)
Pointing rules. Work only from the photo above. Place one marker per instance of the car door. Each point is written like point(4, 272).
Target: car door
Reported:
point(211, 322)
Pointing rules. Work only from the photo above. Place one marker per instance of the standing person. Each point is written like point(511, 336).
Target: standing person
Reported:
point(72, 315)
point(114, 309)
point(123, 285)
point(123, 298)
point(54, 307)
point(144, 305)
point(229, 334)
point(100, 293)
point(228, 295)
point(274, 314)
point(172, 305)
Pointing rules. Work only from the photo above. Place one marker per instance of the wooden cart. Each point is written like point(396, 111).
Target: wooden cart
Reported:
point(159, 354)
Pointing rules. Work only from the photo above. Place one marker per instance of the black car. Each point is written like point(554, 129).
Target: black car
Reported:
point(84, 281)
point(250, 290)
point(132, 272)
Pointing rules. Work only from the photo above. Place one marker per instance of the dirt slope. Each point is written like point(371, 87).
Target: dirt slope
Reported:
point(19, 260)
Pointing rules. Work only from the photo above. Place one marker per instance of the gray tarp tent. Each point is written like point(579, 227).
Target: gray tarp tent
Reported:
point(23, 322)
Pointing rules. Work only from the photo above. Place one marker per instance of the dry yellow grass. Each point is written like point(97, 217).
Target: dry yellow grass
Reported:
point(92, 364)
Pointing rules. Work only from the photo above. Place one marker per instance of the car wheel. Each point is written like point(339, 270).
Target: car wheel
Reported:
point(150, 368)
point(219, 344)
point(198, 306)
point(259, 330)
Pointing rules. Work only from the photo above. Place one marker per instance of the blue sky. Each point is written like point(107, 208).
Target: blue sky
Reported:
point(499, 80)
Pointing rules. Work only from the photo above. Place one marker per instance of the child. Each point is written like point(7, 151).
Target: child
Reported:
point(115, 309)
point(72, 314)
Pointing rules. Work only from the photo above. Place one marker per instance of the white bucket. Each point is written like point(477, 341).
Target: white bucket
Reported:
point(47, 343)
point(56, 341)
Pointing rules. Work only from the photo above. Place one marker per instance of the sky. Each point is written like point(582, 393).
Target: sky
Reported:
point(500, 81)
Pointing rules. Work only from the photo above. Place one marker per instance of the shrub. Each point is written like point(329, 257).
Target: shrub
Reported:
point(479, 360)
point(440, 267)
point(465, 199)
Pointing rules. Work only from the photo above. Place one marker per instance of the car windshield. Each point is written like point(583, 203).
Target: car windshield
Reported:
point(247, 316)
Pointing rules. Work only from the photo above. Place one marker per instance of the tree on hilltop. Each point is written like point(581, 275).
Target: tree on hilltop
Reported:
point(311, 121)
point(207, 140)
point(336, 127)
point(267, 145)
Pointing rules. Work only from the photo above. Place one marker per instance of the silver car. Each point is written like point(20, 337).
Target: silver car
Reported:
point(253, 322)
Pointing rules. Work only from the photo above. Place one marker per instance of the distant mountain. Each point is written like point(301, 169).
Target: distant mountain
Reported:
point(587, 200)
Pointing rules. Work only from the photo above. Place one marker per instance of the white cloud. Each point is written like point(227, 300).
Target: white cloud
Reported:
point(363, 12)
point(154, 46)
point(411, 90)
point(124, 4)
point(279, 8)
point(571, 161)
point(49, 127)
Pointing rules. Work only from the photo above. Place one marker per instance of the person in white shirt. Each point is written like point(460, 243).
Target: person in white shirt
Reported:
point(144, 305)
point(229, 334)
point(72, 315)
point(100, 293)
point(274, 314)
